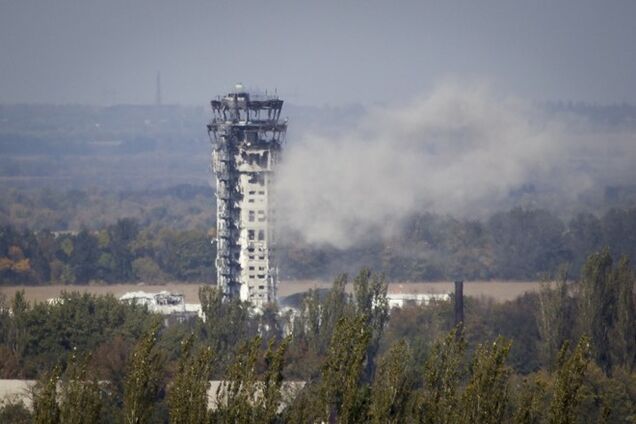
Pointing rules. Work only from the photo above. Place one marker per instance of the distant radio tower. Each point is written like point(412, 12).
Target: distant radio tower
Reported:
point(158, 93)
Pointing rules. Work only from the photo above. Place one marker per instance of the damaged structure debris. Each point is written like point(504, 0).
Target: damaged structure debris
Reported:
point(247, 137)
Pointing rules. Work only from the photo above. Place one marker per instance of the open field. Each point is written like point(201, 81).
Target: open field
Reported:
point(498, 290)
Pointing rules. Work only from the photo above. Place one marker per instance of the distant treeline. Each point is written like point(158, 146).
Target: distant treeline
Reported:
point(118, 253)
point(518, 244)
point(180, 206)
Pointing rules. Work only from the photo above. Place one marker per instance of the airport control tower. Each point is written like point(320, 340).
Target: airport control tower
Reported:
point(247, 138)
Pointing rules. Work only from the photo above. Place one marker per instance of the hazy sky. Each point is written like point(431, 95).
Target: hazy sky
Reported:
point(313, 52)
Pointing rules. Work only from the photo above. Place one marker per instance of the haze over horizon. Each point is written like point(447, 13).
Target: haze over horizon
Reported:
point(333, 53)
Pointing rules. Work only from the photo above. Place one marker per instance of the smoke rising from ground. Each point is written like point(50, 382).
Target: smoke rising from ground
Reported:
point(462, 149)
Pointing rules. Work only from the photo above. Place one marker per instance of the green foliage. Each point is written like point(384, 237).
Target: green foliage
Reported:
point(392, 386)
point(44, 334)
point(237, 393)
point(607, 309)
point(143, 380)
point(568, 382)
point(528, 406)
point(596, 305)
point(370, 299)
point(623, 334)
point(136, 243)
point(227, 323)
point(443, 372)
point(486, 396)
point(247, 396)
point(14, 412)
point(188, 394)
point(45, 406)
point(80, 394)
point(341, 395)
point(555, 319)
point(420, 376)
point(121, 252)
point(271, 398)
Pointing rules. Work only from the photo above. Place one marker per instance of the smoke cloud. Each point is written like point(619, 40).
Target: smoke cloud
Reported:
point(463, 149)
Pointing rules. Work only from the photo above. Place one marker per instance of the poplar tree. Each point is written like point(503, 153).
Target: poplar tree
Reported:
point(271, 395)
point(188, 396)
point(528, 406)
point(443, 372)
point(486, 396)
point(568, 382)
point(80, 395)
point(341, 395)
point(142, 384)
point(392, 386)
point(45, 406)
point(624, 331)
point(370, 298)
point(237, 393)
point(596, 306)
point(553, 319)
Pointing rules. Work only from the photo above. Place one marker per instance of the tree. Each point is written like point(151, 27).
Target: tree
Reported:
point(142, 385)
point(596, 306)
point(237, 393)
point(568, 382)
point(121, 235)
point(80, 394)
point(271, 397)
point(554, 318)
point(442, 374)
point(188, 398)
point(584, 236)
point(83, 259)
point(45, 407)
point(526, 242)
point(227, 323)
point(528, 407)
point(623, 334)
point(370, 297)
point(14, 412)
point(392, 386)
point(341, 396)
point(486, 396)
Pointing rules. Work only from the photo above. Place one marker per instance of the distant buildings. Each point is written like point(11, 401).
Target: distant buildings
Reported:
point(164, 303)
point(400, 300)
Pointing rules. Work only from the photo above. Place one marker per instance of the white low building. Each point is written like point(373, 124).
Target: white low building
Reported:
point(399, 300)
point(164, 302)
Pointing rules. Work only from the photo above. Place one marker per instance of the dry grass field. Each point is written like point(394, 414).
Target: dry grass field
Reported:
point(498, 290)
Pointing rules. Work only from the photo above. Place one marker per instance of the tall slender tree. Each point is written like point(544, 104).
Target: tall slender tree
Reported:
point(143, 379)
point(486, 396)
point(568, 382)
point(443, 372)
point(45, 407)
point(341, 394)
point(392, 386)
point(188, 396)
point(624, 330)
point(596, 306)
point(554, 318)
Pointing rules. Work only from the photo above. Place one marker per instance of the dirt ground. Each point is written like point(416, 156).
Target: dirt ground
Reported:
point(501, 291)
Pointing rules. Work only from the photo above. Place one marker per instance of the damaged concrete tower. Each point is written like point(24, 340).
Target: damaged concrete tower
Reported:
point(247, 138)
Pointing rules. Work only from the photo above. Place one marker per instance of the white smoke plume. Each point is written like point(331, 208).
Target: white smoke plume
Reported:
point(461, 150)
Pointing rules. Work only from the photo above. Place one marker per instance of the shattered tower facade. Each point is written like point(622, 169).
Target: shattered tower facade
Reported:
point(247, 137)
